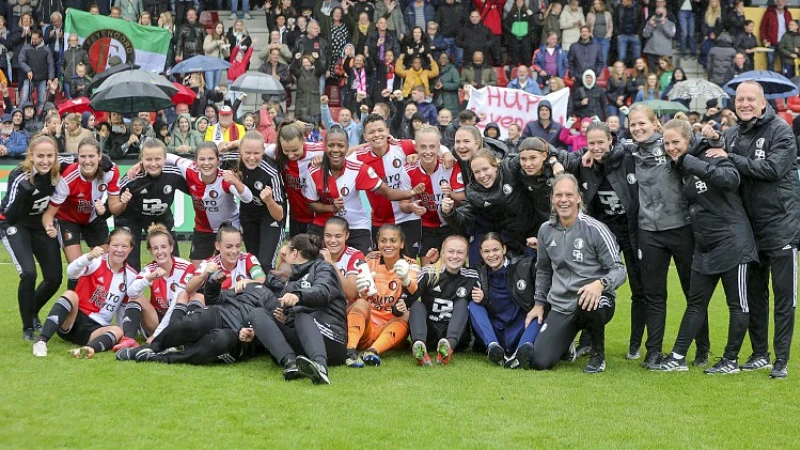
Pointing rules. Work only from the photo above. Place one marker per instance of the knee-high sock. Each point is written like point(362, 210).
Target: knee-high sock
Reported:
point(392, 335)
point(133, 320)
point(103, 342)
point(58, 313)
point(356, 324)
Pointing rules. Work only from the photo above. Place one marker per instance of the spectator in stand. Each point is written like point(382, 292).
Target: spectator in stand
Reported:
point(73, 56)
point(385, 77)
point(356, 72)
point(416, 45)
point(74, 133)
point(616, 88)
point(687, 15)
point(53, 128)
point(554, 84)
point(720, 58)
point(474, 36)
point(306, 70)
point(130, 10)
point(551, 22)
point(417, 14)
point(216, 45)
point(354, 129)
point(44, 11)
point(789, 48)
point(116, 12)
point(436, 43)
point(478, 74)
point(78, 85)
point(416, 75)
point(204, 96)
point(520, 26)
point(282, 8)
point(601, 25)
point(544, 126)
point(239, 37)
point(712, 27)
point(337, 32)
point(571, 21)
point(5, 47)
point(575, 139)
point(629, 25)
point(53, 36)
point(747, 41)
point(12, 143)
point(589, 100)
point(190, 37)
point(424, 106)
point(638, 78)
point(226, 134)
point(184, 139)
point(650, 90)
point(362, 6)
point(550, 60)
point(447, 84)
point(165, 21)
point(491, 15)
point(273, 66)
point(380, 40)
point(738, 67)
point(659, 33)
point(22, 31)
point(523, 82)
point(452, 17)
point(585, 55)
point(664, 72)
point(240, 61)
point(36, 63)
point(312, 44)
point(297, 28)
point(20, 8)
point(284, 52)
point(364, 29)
point(678, 75)
point(392, 11)
point(145, 20)
point(735, 19)
point(774, 24)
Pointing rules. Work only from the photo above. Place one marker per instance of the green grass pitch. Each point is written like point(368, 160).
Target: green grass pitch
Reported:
point(101, 403)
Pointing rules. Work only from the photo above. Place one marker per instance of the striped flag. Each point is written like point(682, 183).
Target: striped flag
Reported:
point(103, 37)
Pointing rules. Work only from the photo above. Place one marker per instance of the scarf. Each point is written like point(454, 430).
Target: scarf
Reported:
point(363, 28)
point(219, 134)
point(360, 79)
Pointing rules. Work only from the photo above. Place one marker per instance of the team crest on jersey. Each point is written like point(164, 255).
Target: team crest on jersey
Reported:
point(760, 143)
point(258, 185)
point(507, 189)
point(396, 163)
point(345, 191)
point(11, 231)
point(173, 287)
point(658, 152)
point(102, 188)
point(521, 285)
point(122, 287)
point(392, 285)
point(213, 194)
point(371, 173)
point(67, 236)
point(631, 178)
point(253, 260)
point(461, 292)
point(168, 189)
point(578, 243)
point(239, 278)
point(460, 178)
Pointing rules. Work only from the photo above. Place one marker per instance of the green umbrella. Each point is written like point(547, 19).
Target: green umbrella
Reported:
point(664, 107)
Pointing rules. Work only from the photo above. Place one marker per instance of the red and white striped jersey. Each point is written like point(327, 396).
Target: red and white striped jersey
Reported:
point(347, 261)
point(432, 197)
point(356, 176)
point(294, 175)
point(163, 291)
point(389, 167)
point(247, 267)
point(100, 290)
point(213, 203)
point(75, 195)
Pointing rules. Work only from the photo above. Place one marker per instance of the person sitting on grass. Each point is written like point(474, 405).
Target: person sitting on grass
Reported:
point(83, 316)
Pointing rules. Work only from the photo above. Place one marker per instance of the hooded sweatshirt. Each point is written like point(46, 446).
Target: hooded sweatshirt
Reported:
point(596, 95)
point(535, 129)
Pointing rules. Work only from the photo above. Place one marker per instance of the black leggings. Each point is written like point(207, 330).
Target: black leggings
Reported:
point(188, 329)
point(263, 237)
point(559, 330)
point(302, 337)
point(218, 345)
point(24, 245)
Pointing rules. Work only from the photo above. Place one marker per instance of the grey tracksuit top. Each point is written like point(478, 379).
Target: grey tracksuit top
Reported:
point(570, 258)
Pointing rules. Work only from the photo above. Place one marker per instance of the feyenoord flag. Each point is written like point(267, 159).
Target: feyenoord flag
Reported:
point(103, 37)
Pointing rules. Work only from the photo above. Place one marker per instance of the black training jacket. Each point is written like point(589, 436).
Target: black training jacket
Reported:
point(320, 290)
point(234, 308)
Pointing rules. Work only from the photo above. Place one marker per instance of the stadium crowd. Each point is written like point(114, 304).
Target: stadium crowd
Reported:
point(508, 240)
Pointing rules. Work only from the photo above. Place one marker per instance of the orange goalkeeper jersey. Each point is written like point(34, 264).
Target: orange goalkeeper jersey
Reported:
point(390, 289)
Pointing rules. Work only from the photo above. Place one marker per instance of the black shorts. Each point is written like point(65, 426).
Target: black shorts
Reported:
point(433, 238)
point(80, 333)
point(71, 233)
point(202, 245)
point(413, 234)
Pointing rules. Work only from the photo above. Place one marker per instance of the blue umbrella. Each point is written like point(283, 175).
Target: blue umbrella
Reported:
point(775, 85)
point(201, 63)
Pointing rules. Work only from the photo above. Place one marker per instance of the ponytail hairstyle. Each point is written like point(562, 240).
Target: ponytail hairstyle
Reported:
point(121, 230)
point(308, 245)
point(335, 130)
point(149, 142)
point(649, 112)
point(439, 265)
point(337, 220)
point(288, 130)
point(492, 236)
point(226, 227)
point(27, 165)
point(206, 145)
point(399, 231)
point(534, 143)
point(158, 229)
point(599, 126)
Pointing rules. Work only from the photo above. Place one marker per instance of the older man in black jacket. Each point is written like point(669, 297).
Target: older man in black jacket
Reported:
point(190, 37)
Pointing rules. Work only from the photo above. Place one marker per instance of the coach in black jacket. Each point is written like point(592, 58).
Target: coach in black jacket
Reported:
point(763, 149)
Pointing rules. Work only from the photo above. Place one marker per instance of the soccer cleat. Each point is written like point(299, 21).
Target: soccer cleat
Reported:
point(701, 359)
point(633, 353)
point(310, 369)
point(596, 364)
point(583, 350)
point(40, 349)
point(290, 371)
point(525, 355)
point(125, 342)
point(569, 355)
point(142, 354)
point(723, 367)
point(651, 361)
point(421, 353)
point(756, 362)
point(779, 369)
point(353, 360)
point(371, 358)
point(82, 352)
point(28, 335)
point(37, 324)
point(511, 362)
point(671, 364)
point(443, 352)
point(496, 353)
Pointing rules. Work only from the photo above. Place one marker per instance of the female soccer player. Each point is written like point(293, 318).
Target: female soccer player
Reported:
point(262, 218)
point(468, 140)
point(501, 308)
point(214, 193)
point(148, 191)
point(30, 186)
point(78, 202)
point(334, 188)
point(166, 277)
point(343, 257)
point(380, 322)
point(232, 269)
point(307, 333)
point(439, 313)
point(84, 316)
point(724, 245)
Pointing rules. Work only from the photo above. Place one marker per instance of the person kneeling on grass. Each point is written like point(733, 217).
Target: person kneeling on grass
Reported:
point(438, 315)
point(307, 333)
point(500, 310)
point(577, 273)
point(83, 316)
point(379, 322)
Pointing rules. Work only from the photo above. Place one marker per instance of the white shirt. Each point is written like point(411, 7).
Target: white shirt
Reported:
point(781, 27)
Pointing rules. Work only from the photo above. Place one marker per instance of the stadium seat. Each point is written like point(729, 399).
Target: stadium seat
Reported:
point(502, 79)
point(602, 79)
point(787, 116)
point(781, 105)
point(334, 94)
point(794, 104)
point(335, 113)
point(60, 97)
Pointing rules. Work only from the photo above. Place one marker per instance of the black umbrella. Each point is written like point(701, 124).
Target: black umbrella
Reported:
point(102, 76)
point(139, 76)
point(131, 98)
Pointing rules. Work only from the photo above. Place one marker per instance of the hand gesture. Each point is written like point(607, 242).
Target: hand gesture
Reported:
point(99, 207)
point(571, 120)
point(362, 284)
point(587, 160)
point(401, 306)
point(477, 294)
point(209, 269)
point(401, 268)
point(386, 93)
point(364, 109)
point(230, 177)
point(432, 255)
point(95, 253)
point(323, 100)
point(135, 169)
point(447, 205)
point(447, 191)
point(417, 208)
point(532, 242)
point(241, 284)
point(265, 194)
point(418, 189)
point(338, 203)
point(158, 273)
point(398, 95)
point(126, 196)
point(133, 139)
point(326, 254)
point(448, 160)
point(709, 131)
point(411, 159)
point(316, 161)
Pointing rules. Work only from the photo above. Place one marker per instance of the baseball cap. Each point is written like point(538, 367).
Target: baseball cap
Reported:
point(5, 118)
point(225, 111)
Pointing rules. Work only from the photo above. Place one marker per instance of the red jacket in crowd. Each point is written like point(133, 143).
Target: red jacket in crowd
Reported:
point(769, 25)
point(491, 14)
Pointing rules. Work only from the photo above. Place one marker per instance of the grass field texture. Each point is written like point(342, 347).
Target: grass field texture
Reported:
point(61, 402)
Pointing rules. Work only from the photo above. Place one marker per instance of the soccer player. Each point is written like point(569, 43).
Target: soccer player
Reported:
point(501, 307)
point(763, 149)
point(724, 244)
point(577, 273)
point(379, 322)
point(30, 186)
point(166, 277)
point(342, 256)
point(262, 218)
point(84, 316)
point(439, 315)
point(307, 333)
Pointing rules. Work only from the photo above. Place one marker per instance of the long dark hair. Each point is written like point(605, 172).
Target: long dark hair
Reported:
point(308, 245)
point(288, 130)
point(399, 231)
point(337, 130)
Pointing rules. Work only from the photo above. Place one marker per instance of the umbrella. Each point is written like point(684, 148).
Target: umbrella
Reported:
point(775, 85)
point(200, 63)
point(663, 106)
point(696, 88)
point(184, 95)
point(76, 105)
point(258, 82)
point(131, 98)
point(139, 76)
point(102, 76)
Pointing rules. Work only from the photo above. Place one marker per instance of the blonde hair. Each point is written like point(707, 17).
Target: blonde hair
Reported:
point(438, 265)
point(648, 112)
point(486, 154)
point(72, 118)
point(429, 129)
point(559, 83)
point(27, 164)
point(681, 126)
point(713, 13)
point(157, 229)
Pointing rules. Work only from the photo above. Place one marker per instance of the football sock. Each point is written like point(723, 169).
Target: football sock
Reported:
point(103, 342)
point(58, 313)
point(72, 283)
point(133, 320)
point(356, 324)
point(393, 334)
